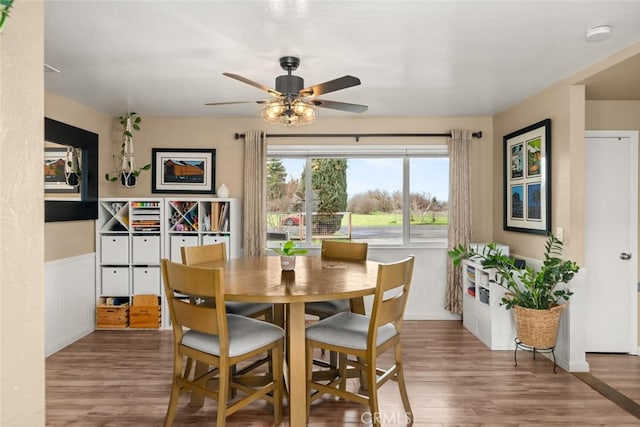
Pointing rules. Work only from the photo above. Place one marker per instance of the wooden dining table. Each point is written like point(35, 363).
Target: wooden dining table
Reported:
point(261, 279)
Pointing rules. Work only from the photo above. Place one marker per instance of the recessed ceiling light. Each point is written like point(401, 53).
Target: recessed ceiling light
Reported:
point(598, 34)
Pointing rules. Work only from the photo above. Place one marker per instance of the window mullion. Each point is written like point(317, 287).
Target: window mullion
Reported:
point(308, 206)
point(406, 201)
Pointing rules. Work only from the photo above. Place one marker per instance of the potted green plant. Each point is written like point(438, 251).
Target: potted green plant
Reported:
point(288, 252)
point(127, 172)
point(535, 295)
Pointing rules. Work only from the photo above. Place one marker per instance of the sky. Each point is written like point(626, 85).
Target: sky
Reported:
point(428, 175)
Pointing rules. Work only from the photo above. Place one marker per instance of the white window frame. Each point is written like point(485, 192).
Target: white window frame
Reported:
point(405, 152)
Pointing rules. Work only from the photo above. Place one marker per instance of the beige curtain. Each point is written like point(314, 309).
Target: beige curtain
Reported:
point(255, 211)
point(459, 211)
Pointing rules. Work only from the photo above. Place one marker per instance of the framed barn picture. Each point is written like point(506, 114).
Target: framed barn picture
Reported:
point(188, 170)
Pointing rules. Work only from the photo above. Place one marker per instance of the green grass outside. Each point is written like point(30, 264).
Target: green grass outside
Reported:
point(376, 219)
point(381, 219)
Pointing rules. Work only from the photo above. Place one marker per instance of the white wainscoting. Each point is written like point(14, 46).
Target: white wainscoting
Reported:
point(70, 300)
point(427, 297)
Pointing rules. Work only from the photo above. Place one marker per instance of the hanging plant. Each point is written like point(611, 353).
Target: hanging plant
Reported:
point(72, 166)
point(5, 6)
point(127, 172)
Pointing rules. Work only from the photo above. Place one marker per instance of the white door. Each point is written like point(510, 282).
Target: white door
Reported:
point(611, 254)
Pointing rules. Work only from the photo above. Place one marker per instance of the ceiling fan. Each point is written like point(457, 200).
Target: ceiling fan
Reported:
point(294, 104)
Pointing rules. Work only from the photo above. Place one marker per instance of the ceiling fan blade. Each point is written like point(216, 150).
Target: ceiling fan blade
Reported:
point(252, 83)
point(344, 106)
point(236, 102)
point(330, 86)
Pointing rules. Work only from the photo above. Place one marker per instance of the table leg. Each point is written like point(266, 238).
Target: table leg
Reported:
point(297, 365)
point(357, 305)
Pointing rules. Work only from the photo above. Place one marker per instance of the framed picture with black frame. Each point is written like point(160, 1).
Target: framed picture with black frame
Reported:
point(183, 170)
point(527, 179)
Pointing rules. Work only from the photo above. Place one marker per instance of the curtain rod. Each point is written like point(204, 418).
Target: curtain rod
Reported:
point(357, 136)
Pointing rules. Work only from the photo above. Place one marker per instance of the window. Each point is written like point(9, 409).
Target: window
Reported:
point(377, 194)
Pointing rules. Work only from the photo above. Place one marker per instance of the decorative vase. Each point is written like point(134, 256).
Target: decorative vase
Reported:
point(222, 191)
point(537, 328)
point(287, 262)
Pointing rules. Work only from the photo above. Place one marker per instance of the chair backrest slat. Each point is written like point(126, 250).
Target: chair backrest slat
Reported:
point(200, 318)
point(184, 286)
point(393, 283)
point(353, 251)
point(392, 309)
point(205, 253)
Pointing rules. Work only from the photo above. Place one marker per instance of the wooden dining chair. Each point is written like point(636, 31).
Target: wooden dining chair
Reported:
point(364, 338)
point(344, 251)
point(338, 250)
point(210, 336)
point(192, 255)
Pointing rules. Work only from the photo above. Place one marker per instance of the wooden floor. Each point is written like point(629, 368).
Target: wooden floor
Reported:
point(122, 378)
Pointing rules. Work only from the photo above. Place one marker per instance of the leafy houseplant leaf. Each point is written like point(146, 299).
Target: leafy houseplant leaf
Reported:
point(526, 287)
point(289, 248)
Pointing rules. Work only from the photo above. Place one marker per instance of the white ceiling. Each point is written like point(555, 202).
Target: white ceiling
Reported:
point(414, 58)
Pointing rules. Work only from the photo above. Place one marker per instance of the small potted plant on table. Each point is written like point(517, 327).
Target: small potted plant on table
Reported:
point(288, 252)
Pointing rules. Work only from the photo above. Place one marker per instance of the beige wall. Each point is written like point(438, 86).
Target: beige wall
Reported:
point(571, 114)
point(613, 115)
point(566, 105)
point(554, 104)
point(219, 134)
point(78, 237)
point(22, 220)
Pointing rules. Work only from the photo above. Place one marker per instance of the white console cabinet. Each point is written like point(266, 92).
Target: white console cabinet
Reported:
point(482, 314)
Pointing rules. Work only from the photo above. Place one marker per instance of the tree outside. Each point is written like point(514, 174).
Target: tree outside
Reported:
point(329, 188)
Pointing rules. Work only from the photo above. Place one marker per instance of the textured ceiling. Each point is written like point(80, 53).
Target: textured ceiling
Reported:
point(415, 58)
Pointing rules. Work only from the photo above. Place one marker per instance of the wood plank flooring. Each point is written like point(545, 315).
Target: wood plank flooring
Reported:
point(122, 378)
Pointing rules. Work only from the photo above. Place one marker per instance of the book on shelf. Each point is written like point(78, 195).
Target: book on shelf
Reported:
point(224, 216)
point(215, 216)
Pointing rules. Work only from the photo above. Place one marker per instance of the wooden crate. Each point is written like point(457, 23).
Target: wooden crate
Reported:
point(145, 312)
point(112, 316)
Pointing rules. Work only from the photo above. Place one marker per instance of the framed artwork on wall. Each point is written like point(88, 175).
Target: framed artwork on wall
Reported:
point(527, 179)
point(183, 170)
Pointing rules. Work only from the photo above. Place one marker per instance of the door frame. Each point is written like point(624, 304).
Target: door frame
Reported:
point(633, 290)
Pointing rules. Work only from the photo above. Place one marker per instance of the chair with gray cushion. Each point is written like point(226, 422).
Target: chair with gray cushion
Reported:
point(206, 334)
point(343, 251)
point(360, 339)
point(193, 255)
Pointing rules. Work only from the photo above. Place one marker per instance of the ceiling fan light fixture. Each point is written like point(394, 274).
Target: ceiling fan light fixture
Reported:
point(281, 111)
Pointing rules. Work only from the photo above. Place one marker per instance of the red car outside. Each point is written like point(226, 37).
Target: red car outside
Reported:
point(291, 220)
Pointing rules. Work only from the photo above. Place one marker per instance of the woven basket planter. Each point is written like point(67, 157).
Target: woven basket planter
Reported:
point(537, 328)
